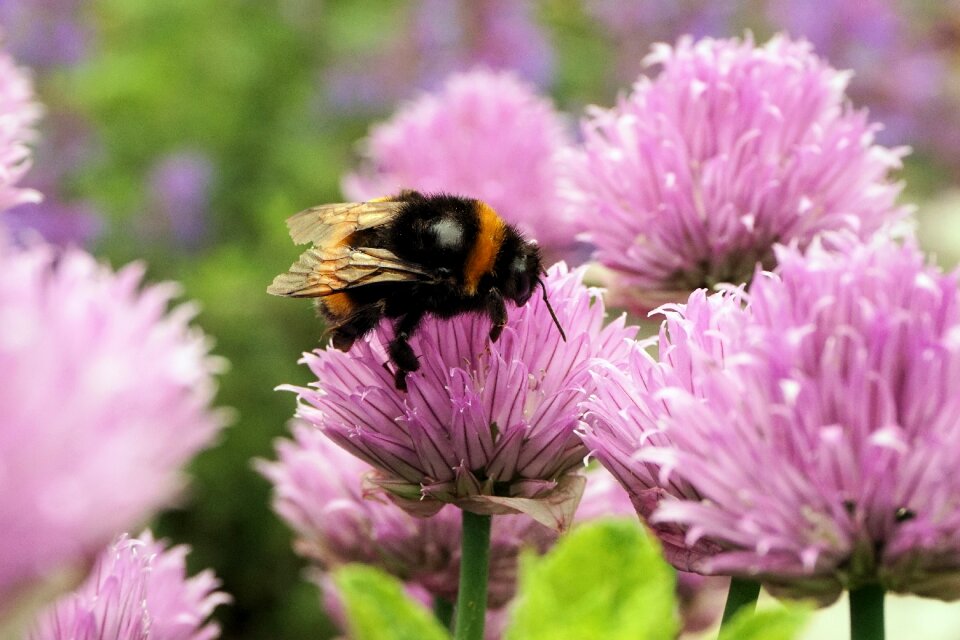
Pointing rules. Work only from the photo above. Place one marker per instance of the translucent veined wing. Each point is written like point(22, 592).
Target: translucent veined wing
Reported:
point(322, 272)
point(329, 224)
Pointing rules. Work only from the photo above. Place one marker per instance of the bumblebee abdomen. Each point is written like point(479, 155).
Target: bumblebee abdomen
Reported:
point(482, 256)
point(337, 307)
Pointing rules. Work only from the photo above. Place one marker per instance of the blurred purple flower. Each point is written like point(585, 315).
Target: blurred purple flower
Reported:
point(133, 386)
point(318, 492)
point(659, 19)
point(603, 497)
point(18, 115)
point(633, 27)
point(486, 426)
point(179, 197)
point(498, 34)
point(897, 74)
point(138, 590)
point(56, 222)
point(45, 33)
point(485, 135)
point(695, 176)
point(65, 145)
point(807, 438)
point(441, 37)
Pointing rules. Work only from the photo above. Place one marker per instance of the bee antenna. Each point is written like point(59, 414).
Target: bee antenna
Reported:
point(553, 315)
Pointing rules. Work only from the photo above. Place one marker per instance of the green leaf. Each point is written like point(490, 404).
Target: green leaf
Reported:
point(605, 580)
point(783, 623)
point(378, 609)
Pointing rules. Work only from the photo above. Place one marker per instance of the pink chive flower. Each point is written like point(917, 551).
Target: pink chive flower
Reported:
point(138, 590)
point(694, 176)
point(132, 385)
point(18, 114)
point(802, 433)
point(486, 426)
point(318, 491)
point(485, 134)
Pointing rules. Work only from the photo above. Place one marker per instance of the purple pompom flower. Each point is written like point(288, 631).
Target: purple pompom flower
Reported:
point(18, 114)
point(132, 385)
point(803, 433)
point(318, 491)
point(484, 135)
point(696, 174)
point(486, 426)
point(138, 590)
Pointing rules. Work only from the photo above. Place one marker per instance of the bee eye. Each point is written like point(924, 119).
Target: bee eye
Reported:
point(523, 288)
point(522, 275)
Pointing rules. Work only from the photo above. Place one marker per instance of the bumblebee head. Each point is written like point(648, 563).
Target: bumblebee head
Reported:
point(524, 273)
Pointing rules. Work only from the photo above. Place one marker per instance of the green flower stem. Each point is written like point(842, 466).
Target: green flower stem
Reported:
point(743, 594)
point(866, 613)
point(474, 567)
point(443, 610)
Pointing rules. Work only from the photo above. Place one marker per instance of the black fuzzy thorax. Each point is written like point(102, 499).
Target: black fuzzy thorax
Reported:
point(412, 236)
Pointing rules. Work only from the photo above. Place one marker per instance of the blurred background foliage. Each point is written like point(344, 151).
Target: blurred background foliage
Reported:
point(184, 132)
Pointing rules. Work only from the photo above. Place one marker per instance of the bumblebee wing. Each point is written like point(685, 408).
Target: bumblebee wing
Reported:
point(330, 224)
point(324, 271)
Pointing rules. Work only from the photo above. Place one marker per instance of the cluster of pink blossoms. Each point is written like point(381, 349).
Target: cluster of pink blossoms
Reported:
point(797, 430)
point(800, 431)
point(105, 394)
point(794, 427)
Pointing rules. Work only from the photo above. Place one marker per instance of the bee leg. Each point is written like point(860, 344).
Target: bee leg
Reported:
point(497, 311)
point(401, 354)
point(362, 322)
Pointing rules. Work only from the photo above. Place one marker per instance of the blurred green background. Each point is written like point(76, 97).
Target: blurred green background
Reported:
point(253, 109)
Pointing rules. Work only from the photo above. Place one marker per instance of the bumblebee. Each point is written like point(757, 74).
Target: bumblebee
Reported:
point(406, 256)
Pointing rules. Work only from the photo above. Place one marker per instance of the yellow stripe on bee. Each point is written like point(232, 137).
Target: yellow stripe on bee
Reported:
point(337, 305)
point(483, 254)
point(383, 199)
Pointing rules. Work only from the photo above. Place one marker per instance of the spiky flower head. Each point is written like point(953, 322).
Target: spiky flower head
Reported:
point(138, 590)
point(486, 426)
point(804, 432)
point(104, 395)
point(694, 176)
point(318, 491)
point(484, 134)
